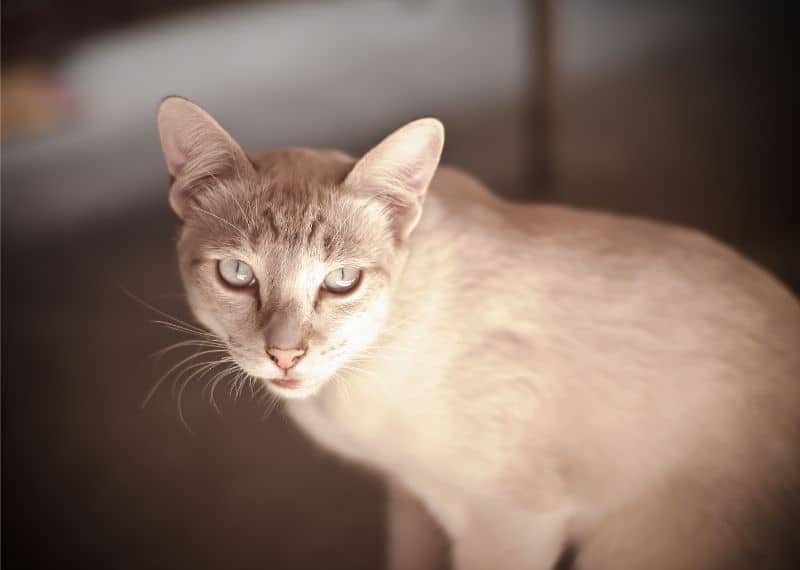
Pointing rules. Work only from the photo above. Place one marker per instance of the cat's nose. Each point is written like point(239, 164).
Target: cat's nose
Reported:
point(285, 358)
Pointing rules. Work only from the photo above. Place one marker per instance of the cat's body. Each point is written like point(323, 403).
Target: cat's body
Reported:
point(554, 367)
point(546, 380)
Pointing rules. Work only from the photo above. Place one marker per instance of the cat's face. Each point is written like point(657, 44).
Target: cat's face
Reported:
point(291, 258)
point(284, 244)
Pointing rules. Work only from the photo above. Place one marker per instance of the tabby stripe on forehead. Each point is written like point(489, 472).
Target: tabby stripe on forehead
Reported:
point(311, 231)
point(315, 224)
point(327, 245)
point(270, 217)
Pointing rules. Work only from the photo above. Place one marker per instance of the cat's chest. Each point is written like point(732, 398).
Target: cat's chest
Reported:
point(374, 432)
point(403, 436)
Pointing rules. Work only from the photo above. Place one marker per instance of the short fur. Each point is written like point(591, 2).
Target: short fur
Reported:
point(551, 383)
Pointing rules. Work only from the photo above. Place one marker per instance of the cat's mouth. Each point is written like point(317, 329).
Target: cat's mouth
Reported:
point(288, 383)
point(292, 387)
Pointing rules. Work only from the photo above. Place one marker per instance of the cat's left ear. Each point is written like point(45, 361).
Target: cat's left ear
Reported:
point(399, 170)
point(196, 149)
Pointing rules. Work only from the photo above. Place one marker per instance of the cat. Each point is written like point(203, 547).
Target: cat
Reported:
point(554, 387)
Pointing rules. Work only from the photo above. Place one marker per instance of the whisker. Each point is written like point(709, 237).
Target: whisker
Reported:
point(197, 374)
point(160, 312)
point(242, 382)
point(272, 402)
point(196, 370)
point(223, 220)
point(165, 375)
point(231, 370)
point(196, 365)
point(185, 329)
point(211, 382)
point(171, 370)
point(197, 343)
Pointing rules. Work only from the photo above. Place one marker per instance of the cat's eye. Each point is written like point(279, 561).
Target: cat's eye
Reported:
point(342, 280)
point(236, 273)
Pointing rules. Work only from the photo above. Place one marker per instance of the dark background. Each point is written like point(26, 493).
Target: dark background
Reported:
point(676, 111)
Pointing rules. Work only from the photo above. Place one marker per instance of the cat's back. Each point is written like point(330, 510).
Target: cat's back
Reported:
point(559, 316)
point(581, 256)
point(589, 294)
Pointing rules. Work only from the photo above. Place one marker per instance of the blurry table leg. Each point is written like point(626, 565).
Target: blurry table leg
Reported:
point(541, 130)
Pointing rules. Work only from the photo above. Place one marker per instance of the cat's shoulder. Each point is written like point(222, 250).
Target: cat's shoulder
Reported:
point(467, 200)
point(583, 241)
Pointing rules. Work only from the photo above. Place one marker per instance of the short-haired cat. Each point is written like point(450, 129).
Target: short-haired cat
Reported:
point(551, 384)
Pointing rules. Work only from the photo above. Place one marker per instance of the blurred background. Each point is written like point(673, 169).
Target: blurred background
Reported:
point(673, 110)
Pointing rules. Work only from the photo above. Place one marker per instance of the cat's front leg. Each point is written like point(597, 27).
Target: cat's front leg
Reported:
point(509, 539)
point(414, 541)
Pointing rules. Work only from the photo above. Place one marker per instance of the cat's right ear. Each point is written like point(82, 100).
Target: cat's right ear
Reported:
point(399, 170)
point(196, 149)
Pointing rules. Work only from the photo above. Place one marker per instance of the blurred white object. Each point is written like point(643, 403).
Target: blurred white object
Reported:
point(293, 73)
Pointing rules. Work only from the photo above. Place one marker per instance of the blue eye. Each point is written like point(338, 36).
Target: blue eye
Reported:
point(342, 280)
point(236, 273)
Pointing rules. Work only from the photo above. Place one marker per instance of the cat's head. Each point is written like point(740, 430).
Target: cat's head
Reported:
point(290, 256)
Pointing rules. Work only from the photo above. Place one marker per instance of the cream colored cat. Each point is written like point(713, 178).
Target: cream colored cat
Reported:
point(553, 384)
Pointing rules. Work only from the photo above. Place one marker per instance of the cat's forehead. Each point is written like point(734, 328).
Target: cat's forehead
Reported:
point(317, 220)
point(297, 213)
point(296, 189)
point(296, 204)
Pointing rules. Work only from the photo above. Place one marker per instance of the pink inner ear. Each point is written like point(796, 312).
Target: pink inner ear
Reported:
point(174, 122)
point(175, 157)
point(405, 160)
point(414, 175)
point(186, 132)
point(195, 147)
point(421, 170)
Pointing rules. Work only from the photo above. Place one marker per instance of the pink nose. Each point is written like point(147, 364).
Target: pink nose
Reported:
point(285, 358)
